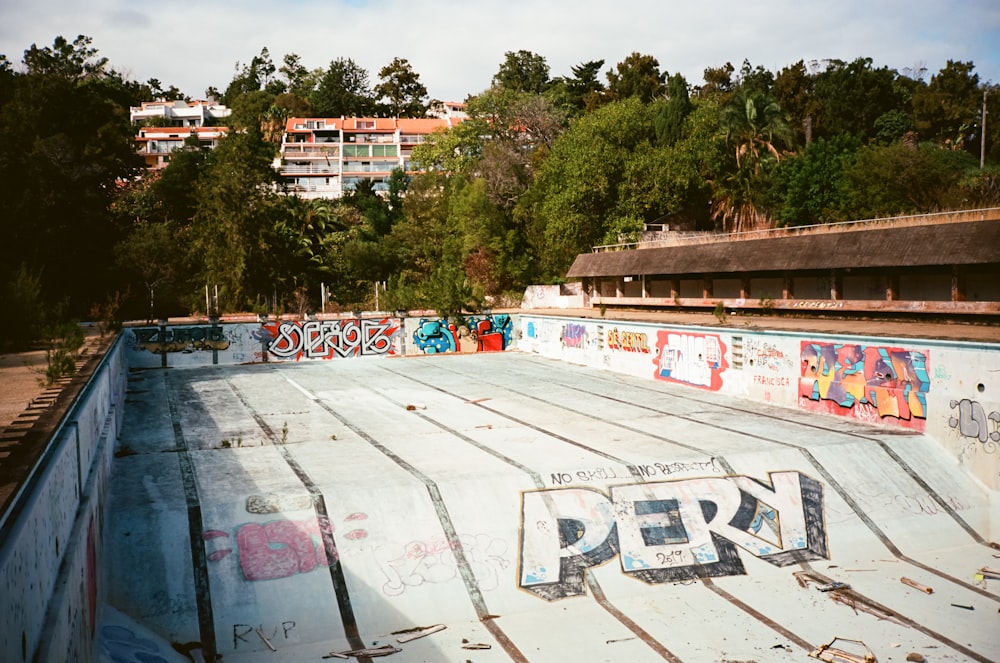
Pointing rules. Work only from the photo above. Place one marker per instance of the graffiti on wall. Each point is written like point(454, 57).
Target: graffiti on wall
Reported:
point(490, 333)
point(328, 339)
point(972, 421)
point(160, 340)
point(764, 356)
point(866, 382)
point(574, 336)
point(668, 531)
point(627, 341)
point(693, 359)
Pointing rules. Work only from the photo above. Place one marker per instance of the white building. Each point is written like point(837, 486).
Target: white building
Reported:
point(181, 113)
point(157, 143)
point(324, 157)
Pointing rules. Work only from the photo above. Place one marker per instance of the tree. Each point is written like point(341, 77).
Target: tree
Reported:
point(752, 124)
point(405, 95)
point(793, 90)
point(343, 90)
point(575, 195)
point(948, 109)
point(523, 71)
point(755, 79)
point(904, 179)
point(252, 77)
point(636, 76)
point(59, 170)
point(579, 93)
point(811, 186)
point(852, 96)
point(673, 111)
point(718, 81)
point(298, 80)
point(235, 207)
point(67, 60)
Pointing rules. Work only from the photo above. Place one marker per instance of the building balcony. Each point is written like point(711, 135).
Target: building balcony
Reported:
point(310, 151)
point(377, 167)
point(310, 169)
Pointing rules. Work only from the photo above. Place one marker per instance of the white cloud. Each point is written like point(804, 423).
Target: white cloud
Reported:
point(456, 46)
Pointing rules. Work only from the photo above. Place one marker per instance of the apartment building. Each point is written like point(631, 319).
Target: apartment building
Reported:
point(156, 144)
point(180, 113)
point(324, 157)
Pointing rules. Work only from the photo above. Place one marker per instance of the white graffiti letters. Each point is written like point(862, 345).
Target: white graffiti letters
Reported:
point(668, 531)
point(317, 339)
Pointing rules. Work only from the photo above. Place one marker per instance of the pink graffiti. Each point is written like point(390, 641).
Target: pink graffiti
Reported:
point(282, 548)
point(278, 549)
point(693, 359)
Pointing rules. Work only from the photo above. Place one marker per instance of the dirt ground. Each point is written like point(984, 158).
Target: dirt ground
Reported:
point(21, 374)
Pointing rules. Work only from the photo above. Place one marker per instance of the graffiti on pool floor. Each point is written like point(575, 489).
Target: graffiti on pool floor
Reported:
point(328, 339)
point(433, 561)
point(490, 333)
point(281, 548)
point(668, 531)
point(693, 359)
point(120, 644)
point(866, 382)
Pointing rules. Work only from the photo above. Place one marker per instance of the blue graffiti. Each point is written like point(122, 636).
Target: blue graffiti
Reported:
point(491, 333)
point(435, 336)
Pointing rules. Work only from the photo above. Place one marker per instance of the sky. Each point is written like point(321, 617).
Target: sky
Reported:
point(456, 46)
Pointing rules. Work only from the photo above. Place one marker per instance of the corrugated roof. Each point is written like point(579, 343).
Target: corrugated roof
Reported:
point(968, 243)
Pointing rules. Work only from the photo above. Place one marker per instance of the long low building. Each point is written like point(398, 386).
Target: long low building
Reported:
point(935, 264)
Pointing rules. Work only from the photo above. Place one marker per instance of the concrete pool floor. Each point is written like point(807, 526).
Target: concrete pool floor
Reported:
point(290, 511)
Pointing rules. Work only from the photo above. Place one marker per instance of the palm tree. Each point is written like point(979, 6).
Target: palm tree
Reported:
point(754, 126)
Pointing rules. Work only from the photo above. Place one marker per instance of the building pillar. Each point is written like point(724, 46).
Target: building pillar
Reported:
point(892, 288)
point(957, 285)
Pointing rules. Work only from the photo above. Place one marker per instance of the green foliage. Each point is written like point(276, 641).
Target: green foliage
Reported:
point(405, 95)
point(901, 179)
point(852, 96)
point(22, 312)
point(343, 90)
point(522, 71)
point(672, 113)
point(60, 170)
point(235, 207)
point(637, 76)
point(948, 109)
point(577, 188)
point(544, 168)
point(579, 93)
point(720, 312)
point(810, 186)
